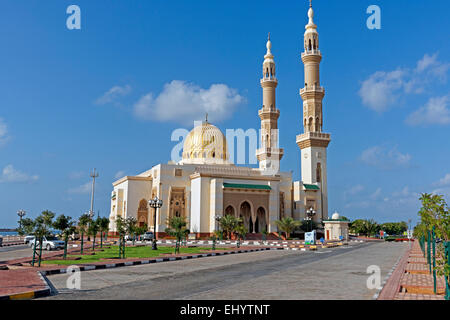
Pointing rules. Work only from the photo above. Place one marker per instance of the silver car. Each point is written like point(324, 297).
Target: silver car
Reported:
point(48, 243)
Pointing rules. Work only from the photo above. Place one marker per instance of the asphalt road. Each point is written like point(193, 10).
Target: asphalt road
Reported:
point(337, 273)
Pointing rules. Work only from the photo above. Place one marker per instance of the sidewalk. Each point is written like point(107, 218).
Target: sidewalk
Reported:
point(411, 280)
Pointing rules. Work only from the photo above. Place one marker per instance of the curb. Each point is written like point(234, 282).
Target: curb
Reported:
point(393, 269)
point(11, 244)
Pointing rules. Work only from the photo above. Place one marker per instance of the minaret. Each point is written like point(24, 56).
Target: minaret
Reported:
point(313, 142)
point(269, 155)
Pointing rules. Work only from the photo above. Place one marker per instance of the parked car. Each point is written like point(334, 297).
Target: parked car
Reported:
point(75, 236)
point(28, 239)
point(49, 243)
point(147, 236)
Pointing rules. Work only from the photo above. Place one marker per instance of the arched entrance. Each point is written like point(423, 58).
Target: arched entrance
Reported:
point(246, 215)
point(229, 211)
point(260, 224)
point(142, 213)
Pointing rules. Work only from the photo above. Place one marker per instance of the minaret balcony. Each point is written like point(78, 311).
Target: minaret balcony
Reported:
point(315, 52)
point(272, 79)
point(313, 139)
point(313, 88)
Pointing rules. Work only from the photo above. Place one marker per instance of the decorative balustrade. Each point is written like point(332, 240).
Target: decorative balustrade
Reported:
point(311, 52)
point(313, 88)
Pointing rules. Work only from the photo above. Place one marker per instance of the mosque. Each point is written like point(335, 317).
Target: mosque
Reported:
point(205, 185)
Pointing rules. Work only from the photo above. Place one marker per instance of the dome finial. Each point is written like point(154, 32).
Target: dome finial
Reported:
point(269, 45)
point(206, 117)
point(310, 3)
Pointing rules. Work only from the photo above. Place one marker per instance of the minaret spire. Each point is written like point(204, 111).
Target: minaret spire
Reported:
point(313, 142)
point(269, 154)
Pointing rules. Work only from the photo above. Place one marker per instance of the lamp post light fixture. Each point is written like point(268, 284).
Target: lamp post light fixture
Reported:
point(21, 214)
point(310, 214)
point(155, 203)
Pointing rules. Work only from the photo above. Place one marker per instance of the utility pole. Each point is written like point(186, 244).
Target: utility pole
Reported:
point(94, 175)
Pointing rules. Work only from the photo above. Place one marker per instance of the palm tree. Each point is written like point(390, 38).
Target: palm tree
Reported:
point(229, 223)
point(121, 227)
point(66, 226)
point(93, 230)
point(83, 222)
point(371, 227)
point(131, 224)
point(41, 226)
point(287, 225)
point(103, 224)
point(177, 228)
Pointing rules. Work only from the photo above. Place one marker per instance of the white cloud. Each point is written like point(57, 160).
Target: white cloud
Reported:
point(119, 174)
point(376, 195)
point(3, 132)
point(76, 175)
point(445, 181)
point(184, 103)
point(435, 111)
point(380, 90)
point(113, 94)
point(384, 157)
point(383, 90)
point(431, 65)
point(83, 189)
point(353, 190)
point(10, 174)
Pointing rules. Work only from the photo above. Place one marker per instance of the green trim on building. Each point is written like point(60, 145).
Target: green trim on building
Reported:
point(311, 187)
point(246, 186)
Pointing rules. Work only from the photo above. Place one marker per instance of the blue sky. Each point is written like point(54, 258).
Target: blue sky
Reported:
point(105, 96)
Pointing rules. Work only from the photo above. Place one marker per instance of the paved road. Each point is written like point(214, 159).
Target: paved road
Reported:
point(14, 252)
point(338, 273)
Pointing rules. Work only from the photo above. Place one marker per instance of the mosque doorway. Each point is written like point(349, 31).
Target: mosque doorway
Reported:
point(246, 216)
point(260, 223)
point(142, 213)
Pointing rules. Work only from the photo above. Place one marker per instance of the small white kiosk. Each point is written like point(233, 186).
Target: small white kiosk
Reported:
point(336, 228)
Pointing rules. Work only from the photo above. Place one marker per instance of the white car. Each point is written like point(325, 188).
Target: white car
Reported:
point(28, 239)
point(49, 243)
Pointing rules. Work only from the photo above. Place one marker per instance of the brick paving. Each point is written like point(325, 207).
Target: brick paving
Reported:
point(412, 279)
point(20, 283)
point(417, 268)
point(421, 284)
point(415, 296)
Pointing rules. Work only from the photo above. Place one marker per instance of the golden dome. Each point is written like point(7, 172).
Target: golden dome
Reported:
point(205, 144)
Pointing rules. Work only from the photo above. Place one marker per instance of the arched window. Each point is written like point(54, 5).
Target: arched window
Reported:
point(309, 46)
point(310, 124)
point(317, 125)
point(319, 173)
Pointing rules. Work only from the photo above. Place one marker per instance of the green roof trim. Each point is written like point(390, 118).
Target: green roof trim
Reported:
point(247, 186)
point(311, 187)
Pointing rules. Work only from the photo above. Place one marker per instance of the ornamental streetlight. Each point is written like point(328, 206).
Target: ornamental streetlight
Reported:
point(310, 214)
point(21, 214)
point(155, 203)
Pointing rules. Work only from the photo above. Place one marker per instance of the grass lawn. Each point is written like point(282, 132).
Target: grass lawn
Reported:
point(130, 252)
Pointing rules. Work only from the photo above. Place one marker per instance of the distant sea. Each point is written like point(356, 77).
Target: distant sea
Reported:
point(8, 233)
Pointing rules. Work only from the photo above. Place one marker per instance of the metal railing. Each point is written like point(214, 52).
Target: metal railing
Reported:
point(447, 278)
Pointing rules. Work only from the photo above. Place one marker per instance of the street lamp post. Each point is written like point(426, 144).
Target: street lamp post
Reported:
point(310, 214)
point(155, 203)
point(21, 214)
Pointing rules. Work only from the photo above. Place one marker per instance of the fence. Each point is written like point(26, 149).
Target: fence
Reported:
point(447, 277)
point(428, 247)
